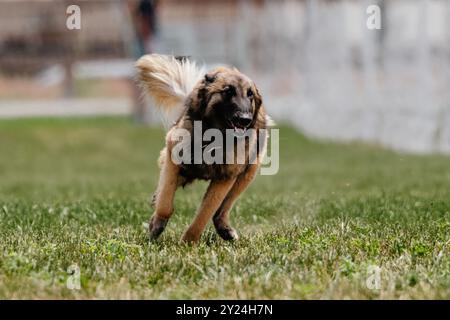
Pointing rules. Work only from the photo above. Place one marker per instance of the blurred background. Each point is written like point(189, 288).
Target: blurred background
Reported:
point(318, 65)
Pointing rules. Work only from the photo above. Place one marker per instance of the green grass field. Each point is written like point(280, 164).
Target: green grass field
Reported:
point(76, 192)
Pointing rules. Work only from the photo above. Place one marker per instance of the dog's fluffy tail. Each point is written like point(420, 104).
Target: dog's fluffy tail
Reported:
point(168, 80)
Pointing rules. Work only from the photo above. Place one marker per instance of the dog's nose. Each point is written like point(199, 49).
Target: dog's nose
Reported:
point(244, 119)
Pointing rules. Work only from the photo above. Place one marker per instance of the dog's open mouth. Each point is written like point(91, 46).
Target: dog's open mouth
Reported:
point(239, 130)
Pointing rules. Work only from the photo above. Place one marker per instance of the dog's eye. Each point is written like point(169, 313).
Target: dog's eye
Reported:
point(229, 91)
point(250, 93)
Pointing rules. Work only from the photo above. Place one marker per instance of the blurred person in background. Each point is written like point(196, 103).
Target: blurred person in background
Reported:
point(144, 17)
point(146, 24)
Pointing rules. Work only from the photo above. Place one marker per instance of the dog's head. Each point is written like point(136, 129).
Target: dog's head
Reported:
point(228, 99)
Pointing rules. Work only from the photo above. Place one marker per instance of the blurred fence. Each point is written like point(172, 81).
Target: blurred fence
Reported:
point(44, 63)
point(33, 34)
point(318, 65)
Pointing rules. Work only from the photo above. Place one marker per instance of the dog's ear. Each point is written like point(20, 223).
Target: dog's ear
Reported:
point(261, 119)
point(198, 104)
point(210, 77)
point(257, 97)
point(202, 93)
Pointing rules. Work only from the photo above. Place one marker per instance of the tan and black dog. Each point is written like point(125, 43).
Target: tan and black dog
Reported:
point(222, 99)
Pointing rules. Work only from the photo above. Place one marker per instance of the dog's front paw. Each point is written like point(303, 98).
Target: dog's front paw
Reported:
point(227, 233)
point(156, 226)
point(191, 236)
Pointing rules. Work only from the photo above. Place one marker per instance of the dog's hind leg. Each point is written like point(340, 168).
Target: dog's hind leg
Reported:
point(221, 217)
point(214, 196)
point(167, 185)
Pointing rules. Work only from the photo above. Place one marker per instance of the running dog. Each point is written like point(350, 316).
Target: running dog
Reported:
point(223, 99)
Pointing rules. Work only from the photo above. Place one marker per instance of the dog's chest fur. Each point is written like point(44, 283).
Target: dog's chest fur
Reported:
point(227, 169)
point(230, 167)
